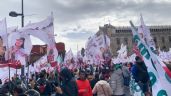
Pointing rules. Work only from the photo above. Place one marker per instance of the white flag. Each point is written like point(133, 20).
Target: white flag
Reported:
point(69, 55)
point(159, 79)
point(145, 34)
point(44, 30)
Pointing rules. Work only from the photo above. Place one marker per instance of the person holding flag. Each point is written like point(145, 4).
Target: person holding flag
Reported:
point(140, 74)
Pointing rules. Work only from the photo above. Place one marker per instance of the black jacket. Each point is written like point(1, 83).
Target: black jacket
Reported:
point(68, 85)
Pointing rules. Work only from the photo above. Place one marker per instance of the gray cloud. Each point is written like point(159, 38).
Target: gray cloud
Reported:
point(73, 10)
point(68, 13)
point(77, 34)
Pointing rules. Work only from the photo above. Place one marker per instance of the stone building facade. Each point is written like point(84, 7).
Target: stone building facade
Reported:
point(123, 34)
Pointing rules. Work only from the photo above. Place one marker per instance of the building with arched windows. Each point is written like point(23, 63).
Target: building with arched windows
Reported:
point(123, 34)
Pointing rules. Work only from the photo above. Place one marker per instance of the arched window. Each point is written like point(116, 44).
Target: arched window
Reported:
point(126, 41)
point(155, 40)
point(118, 41)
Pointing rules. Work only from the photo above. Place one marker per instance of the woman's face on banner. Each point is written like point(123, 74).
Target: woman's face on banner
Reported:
point(102, 49)
point(19, 42)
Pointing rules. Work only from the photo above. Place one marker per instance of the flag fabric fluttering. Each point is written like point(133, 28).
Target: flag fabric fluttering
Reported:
point(46, 28)
point(150, 42)
point(97, 47)
point(69, 55)
point(145, 34)
point(122, 53)
point(42, 64)
point(20, 46)
point(160, 81)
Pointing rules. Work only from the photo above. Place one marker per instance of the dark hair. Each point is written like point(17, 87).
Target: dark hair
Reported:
point(97, 76)
point(41, 75)
point(22, 46)
point(137, 58)
point(18, 90)
point(82, 71)
point(131, 64)
point(66, 74)
point(102, 77)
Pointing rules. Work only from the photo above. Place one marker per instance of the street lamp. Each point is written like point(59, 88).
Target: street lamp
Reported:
point(15, 14)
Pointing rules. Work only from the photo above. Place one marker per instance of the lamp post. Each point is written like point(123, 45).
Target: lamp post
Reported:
point(15, 14)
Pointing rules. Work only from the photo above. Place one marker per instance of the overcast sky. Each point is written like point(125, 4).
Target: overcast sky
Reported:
point(76, 20)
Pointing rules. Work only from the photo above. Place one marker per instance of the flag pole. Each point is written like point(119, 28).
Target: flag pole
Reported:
point(9, 71)
point(16, 71)
point(28, 60)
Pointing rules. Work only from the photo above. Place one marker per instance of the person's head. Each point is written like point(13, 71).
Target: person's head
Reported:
point(18, 91)
point(96, 76)
point(129, 64)
point(32, 83)
point(102, 77)
point(42, 75)
point(90, 76)
point(138, 59)
point(66, 74)
point(82, 74)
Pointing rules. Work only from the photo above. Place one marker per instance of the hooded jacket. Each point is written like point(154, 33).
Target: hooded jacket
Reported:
point(116, 82)
point(68, 86)
point(102, 88)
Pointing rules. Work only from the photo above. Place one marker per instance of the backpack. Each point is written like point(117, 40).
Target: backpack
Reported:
point(42, 88)
point(41, 85)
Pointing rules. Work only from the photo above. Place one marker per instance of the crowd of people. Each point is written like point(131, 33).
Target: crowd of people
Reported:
point(90, 80)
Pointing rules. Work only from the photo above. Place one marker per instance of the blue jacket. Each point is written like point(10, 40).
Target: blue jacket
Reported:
point(140, 73)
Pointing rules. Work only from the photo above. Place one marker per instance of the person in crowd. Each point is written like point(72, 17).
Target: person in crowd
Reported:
point(140, 74)
point(18, 91)
point(4, 90)
point(102, 87)
point(129, 65)
point(75, 73)
point(126, 76)
point(32, 85)
point(92, 79)
point(116, 80)
point(84, 88)
point(41, 83)
point(68, 86)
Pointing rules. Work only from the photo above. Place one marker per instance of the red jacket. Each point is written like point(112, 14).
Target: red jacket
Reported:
point(82, 86)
